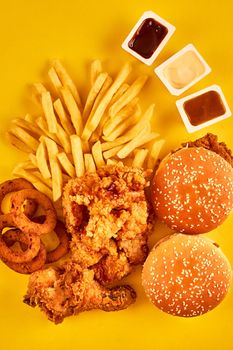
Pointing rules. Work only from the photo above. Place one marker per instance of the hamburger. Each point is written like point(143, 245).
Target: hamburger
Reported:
point(192, 189)
point(186, 275)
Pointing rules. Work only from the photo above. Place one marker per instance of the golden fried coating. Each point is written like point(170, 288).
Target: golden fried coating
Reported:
point(66, 291)
point(108, 217)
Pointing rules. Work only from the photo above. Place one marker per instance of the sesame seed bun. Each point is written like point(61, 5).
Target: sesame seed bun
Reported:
point(186, 275)
point(192, 190)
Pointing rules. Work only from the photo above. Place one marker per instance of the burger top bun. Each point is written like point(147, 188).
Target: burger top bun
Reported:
point(186, 275)
point(192, 190)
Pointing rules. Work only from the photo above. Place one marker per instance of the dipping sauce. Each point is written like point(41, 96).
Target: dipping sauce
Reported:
point(184, 70)
point(148, 37)
point(205, 107)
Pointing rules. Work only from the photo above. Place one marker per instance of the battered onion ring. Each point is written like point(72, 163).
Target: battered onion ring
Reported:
point(63, 246)
point(6, 220)
point(9, 186)
point(32, 241)
point(63, 236)
point(26, 267)
point(23, 222)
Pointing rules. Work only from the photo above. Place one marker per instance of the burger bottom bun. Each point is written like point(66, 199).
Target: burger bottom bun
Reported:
point(186, 275)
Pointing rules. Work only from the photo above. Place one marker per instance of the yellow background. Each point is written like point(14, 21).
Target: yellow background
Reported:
point(32, 33)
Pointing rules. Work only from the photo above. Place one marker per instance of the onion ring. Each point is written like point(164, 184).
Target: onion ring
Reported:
point(9, 186)
point(31, 240)
point(63, 246)
point(63, 236)
point(29, 207)
point(23, 222)
point(6, 220)
point(26, 267)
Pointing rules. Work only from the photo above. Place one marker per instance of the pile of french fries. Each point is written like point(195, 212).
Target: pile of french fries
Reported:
point(69, 138)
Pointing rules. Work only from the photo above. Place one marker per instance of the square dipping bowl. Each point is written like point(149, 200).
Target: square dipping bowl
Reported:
point(203, 108)
point(182, 70)
point(148, 37)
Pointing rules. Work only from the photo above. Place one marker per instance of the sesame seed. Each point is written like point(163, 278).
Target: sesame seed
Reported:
point(197, 275)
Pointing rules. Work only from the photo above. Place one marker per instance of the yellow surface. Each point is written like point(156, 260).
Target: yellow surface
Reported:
point(32, 33)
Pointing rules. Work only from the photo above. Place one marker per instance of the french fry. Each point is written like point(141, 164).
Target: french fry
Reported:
point(56, 82)
point(139, 158)
point(154, 153)
point(57, 181)
point(20, 145)
point(42, 160)
point(133, 132)
point(120, 129)
point(59, 209)
point(65, 177)
point(67, 81)
point(129, 135)
point(122, 89)
point(42, 124)
point(85, 146)
point(112, 152)
point(96, 69)
point(131, 92)
point(67, 149)
point(93, 93)
point(64, 119)
point(101, 94)
point(128, 109)
point(144, 121)
point(66, 164)
point(27, 165)
point(123, 126)
point(96, 134)
point(33, 159)
point(138, 141)
point(111, 144)
point(77, 152)
point(25, 137)
point(28, 126)
point(39, 185)
point(47, 105)
point(73, 110)
point(63, 138)
point(97, 154)
point(29, 118)
point(148, 114)
point(112, 123)
point(47, 182)
point(89, 163)
point(112, 162)
point(94, 120)
point(99, 130)
point(94, 137)
point(39, 88)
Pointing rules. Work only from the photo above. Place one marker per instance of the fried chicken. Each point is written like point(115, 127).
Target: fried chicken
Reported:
point(108, 217)
point(66, 291)
point(210, 141)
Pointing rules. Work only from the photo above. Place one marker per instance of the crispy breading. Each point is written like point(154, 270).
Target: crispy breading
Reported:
point(210, 141)
point(107, 215)
point(66, 291)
